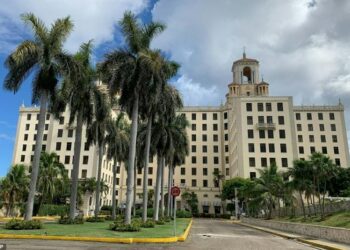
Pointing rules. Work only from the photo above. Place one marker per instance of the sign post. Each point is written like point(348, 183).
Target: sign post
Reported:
point(175, 191)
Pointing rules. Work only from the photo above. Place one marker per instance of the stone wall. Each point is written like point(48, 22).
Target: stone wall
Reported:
point(329, 233)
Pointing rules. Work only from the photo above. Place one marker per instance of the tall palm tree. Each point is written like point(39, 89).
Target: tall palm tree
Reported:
point(45, 58)
point(85, 101)
point(117, 140)
point(52, 177)
point(126, 71)
point(14, 187)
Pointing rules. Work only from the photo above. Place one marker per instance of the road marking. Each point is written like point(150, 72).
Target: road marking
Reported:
point(209, 235)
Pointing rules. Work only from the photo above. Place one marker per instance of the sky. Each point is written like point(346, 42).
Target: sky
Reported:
point(303, 46)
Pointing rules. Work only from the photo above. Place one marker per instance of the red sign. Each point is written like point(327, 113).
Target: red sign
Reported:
point(175, 191)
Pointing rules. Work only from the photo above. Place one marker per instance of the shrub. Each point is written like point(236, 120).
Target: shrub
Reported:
point(225, 216)
point(166, 218)
point(148, 224)
point(149, 212)
point(121, 227)
point(51, 209)
point(67, 220)
point(183, 214)
point(16, 224)
point(160, 222)
point(106, 208)
point(95, 219)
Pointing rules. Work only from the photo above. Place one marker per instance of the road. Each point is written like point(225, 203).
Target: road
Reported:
point(205, 234)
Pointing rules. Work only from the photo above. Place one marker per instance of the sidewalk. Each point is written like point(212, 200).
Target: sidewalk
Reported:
point(325, 244)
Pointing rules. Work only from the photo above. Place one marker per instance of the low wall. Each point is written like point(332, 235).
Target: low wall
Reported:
point(321, 232)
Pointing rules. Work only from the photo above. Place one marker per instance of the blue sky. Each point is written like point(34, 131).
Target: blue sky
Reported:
point(306, 55)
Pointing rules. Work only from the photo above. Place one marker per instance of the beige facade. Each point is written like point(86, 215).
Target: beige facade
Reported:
point(250, 132)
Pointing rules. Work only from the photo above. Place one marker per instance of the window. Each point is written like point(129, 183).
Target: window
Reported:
point(183, 171)
point(216, 160)
point(36, 126)
point(262, 147)
point(46, 126)
point(336, 150)
point(334, 138)
point(194, 127)
point(251, 147)
point(215, 137)
point(215, 149)
point(333, 128)
point(323, 138)
point(193, 148)
point(226, 126)
point(194, 138)
point(149, 182)
point(337, 161)
point(297, 116)
point(227, 171)
point(324, 150)
point(138, 182)
point(260, 106)
point(85, 159)
point(83, 173)
point(66, 159)
point(283, 148)
point(61, 120)
point(70, 133)
point(264, 162)
point(59, 133)
point(34, 137)
point(150, 170)
point(268, 106)
point(204, 116)
point(271, 148)
point(26, 137)
point(205, 183)
point(331, 116)
point(69, 146)
point(270, 134)
point(261, 134)
point(86, 146)
point(312, 150)
point(24, 147)
point(250, 120)
point(204, 127)
point(37, 117)
point(58, 146)
point(205, 171)
point(321, 127)
point(227, 160)
point(269, 119)
point(279, 106)
point(194, 116)
point(47, 116)
point(226, 137)
point(260, 119)
point(249, 107)
point(215, 116)
point(310, 127)
point(309, 116)
point(301, 150)
point(204, 137)
point(194, 171)
point(194, 183)
point(252, 175)
point(194, 159)
point(23, 157)
point(300, 138)
point(284, 162)
point(281, 120)
point(215, 127)
point(27, 126)
point(251, 162)
point(311, 138)
point(272, 161)
point(250, 133)
point(282, 133)
point(204, 149)
point(226, 148)
point(33, 147)
point(225, 115)
point(298, 127)
point(205, 159)
point(29, 117)
point(320, 116)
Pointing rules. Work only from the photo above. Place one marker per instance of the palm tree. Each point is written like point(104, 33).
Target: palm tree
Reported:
point(14, 187)
point(218, 178)
point(84, 97)
point(52, 177)
point(45, 58)
point(117, 140)
point(127, 72)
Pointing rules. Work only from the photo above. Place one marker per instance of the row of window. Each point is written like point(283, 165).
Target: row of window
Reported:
point(29, 117)
point(205, 160)
point(261, 119)
point(205, 127)
point(322, 138)
point(270, 134)
point(319, 115)
point(310, 127)
point(205, 137)
point(270, 146)
point(36, 126)
point(324, 150)
point(204, 116)
point(263, 162)
point(260, 106)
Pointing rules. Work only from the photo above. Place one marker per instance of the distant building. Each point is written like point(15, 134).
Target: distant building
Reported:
point(250, 132)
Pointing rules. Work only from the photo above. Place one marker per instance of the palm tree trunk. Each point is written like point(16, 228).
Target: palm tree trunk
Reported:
point(36, 161)
point(302, 204)
point(76, 162)
point(98, 182)
point(162, 190)
point(131, 161)
point(114, 187)
point(157, 189)
point(170, 184)
point(134, 197)
point(145, 171)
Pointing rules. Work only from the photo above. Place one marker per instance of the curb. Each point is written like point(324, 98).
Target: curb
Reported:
point(286, 236)
point(181, 238)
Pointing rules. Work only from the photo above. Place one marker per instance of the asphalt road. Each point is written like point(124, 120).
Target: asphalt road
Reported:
point(205, 234)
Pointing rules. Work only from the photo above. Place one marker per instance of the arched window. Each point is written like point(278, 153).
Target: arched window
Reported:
point(247, 75)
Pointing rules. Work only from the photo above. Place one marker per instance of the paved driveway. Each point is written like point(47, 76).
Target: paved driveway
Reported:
point(205, 234)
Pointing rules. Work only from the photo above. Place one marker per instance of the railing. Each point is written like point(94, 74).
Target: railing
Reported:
point(266, 126)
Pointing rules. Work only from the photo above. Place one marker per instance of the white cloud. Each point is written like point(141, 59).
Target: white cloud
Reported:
point(93, 19)
point(6, 137)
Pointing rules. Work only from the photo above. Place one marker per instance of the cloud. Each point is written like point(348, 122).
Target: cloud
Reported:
point(6, 124)
point(93, 19)
point(6, 137)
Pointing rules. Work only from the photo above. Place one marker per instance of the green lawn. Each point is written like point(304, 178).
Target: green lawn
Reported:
point(341, 219)
point(101, 229)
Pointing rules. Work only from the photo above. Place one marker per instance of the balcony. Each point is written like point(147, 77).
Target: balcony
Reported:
point(262, 126)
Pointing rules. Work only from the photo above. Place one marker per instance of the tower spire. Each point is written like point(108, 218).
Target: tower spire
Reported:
point(244, 55)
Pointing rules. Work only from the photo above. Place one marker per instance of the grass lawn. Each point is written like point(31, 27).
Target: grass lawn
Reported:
point(101, 229)
point(341, 219)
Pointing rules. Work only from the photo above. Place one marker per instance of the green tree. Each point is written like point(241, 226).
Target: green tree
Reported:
point(191, 200)
point(45, 58)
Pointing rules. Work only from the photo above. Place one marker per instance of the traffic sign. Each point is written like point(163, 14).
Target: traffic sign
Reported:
point(175, 191)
